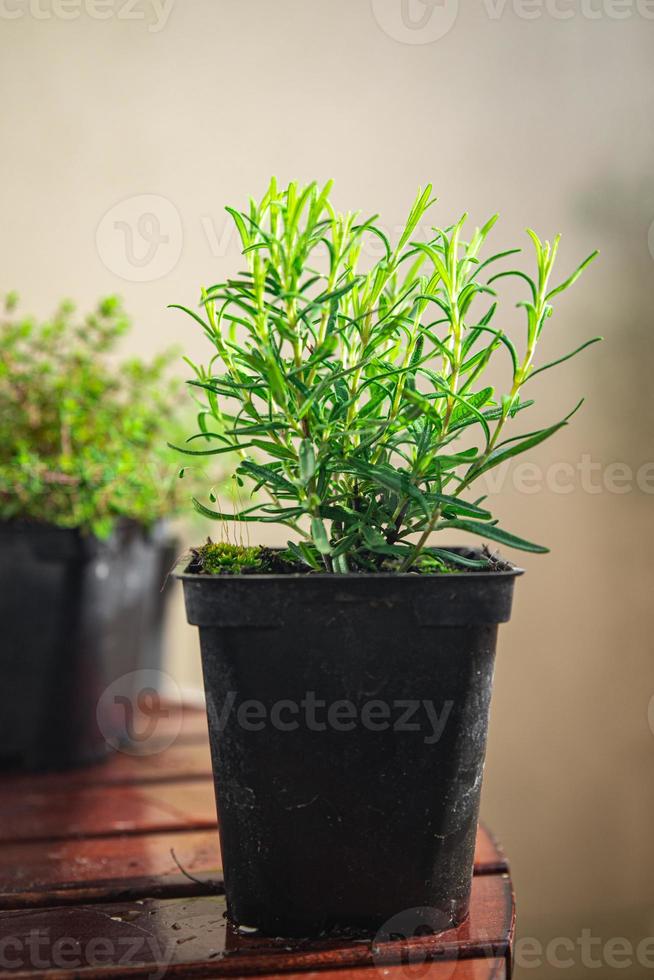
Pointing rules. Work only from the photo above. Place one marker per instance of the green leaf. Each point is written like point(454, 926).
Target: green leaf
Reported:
point(521, 275)
point(456, 559)
point(393, 480)
point(494, 533)
point(474, 400)
point(573, 278)
point(215, 515)
point(319, 536)
point(240, 224)
point(340, 564)
point(504, 340)
point(307, 460)
point(196, 317)
point(373, 537)
point(457, 506)
point(520, 444)
point(494, 258)
point(303, 553)
point(265, 474)
point(274, 449)
point(208, 452)
point(560, 360)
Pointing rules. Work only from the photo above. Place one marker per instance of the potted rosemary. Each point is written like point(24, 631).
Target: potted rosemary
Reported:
point(348, 676)
point(84, 485)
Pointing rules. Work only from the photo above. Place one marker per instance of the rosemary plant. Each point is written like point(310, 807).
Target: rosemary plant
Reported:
point(353, 399)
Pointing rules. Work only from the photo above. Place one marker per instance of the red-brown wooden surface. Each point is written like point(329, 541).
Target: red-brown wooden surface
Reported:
point(91, 861)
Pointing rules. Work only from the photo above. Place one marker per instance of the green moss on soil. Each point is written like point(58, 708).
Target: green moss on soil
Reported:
point(222, 558)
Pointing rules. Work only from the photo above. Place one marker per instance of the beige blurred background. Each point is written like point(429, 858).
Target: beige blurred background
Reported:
point(126, 127)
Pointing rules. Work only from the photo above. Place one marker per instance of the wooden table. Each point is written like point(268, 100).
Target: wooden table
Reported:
point(91, 886)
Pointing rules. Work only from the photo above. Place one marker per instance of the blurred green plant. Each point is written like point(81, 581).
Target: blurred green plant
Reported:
point(344, 391)
point(82, 435)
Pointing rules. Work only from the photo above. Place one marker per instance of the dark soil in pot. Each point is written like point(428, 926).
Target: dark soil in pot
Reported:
point(348, 720)
point(77, 613)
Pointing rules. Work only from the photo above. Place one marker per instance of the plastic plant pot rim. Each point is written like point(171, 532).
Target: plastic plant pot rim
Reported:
point(466, 573)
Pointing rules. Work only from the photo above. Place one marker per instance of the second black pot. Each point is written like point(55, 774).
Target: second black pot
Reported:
point(77, 614)
point(348, 720)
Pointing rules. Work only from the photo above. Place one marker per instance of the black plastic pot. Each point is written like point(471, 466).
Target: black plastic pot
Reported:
point(348, 719)
point(77, 614)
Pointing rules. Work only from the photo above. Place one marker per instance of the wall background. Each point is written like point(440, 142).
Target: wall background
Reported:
point(542, 111)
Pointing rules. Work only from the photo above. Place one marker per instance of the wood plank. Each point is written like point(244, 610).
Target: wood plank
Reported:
point(38, 873)
point(109, 869)
point(489, 854)
point(81, 811)
point(483, 968)
point(190, 937)
point(42, 809)
point(180, 761)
